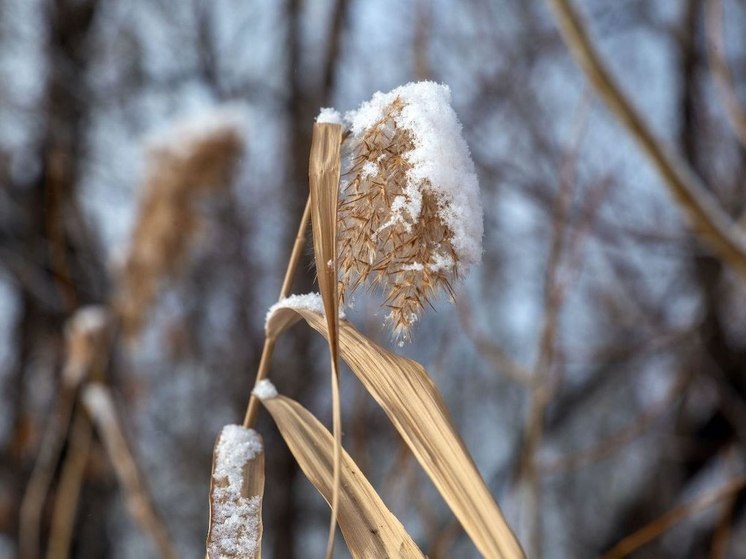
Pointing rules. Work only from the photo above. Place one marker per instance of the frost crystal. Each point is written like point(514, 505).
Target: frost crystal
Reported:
point(236, 519)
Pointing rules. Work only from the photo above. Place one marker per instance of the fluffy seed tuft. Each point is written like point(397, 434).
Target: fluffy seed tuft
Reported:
point(410, 221)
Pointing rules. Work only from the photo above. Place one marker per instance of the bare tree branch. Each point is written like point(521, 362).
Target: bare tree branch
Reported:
point(719, 66)
point(703, 211)
point(674, 516)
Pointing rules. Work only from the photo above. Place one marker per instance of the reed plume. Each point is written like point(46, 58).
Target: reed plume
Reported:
point(410, 222)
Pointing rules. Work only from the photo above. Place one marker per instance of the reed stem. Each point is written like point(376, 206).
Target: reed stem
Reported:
point(269, 341)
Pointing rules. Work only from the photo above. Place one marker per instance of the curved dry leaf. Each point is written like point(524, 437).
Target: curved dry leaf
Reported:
point(323, 175)
point(324, 172)
point(404, 390)
point(369, 528)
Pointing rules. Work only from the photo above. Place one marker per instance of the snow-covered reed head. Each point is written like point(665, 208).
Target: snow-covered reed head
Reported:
point(410, 220)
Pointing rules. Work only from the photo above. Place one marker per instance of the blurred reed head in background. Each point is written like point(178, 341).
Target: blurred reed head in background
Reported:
point(190, 160)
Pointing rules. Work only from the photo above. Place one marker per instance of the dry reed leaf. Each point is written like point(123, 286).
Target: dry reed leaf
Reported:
point(323, 175)
point(404, 390)
point(369, 528)
point(236, 495)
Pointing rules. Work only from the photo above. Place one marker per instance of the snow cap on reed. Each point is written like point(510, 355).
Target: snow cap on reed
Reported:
point(329, 115)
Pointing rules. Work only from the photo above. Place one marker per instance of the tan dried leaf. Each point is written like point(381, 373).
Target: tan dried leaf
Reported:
point(369, 528)
point(323, 174)
point(416, 408)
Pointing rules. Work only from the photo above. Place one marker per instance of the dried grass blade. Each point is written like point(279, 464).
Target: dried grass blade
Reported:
point(99, 403)
point(67, 493)
point(236, 495)
point(413, 404)
point(369, 528)
point(323, 174)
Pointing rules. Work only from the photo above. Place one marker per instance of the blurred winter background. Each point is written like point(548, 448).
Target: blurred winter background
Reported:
point(596, 311)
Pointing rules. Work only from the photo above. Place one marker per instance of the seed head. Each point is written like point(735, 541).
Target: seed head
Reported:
point(410, 222)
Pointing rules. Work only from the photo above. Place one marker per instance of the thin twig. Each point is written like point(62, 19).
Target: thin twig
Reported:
point(721, 537)
point(542, 387)
point(541, 391)
point(490, 350)
point(100, 405)
point(85, 333)
point(619, 439)
point(722, 534)
point(719, 67)
point(336, 469)
point(269, 342)
point(702, 209)
point(663, 523)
